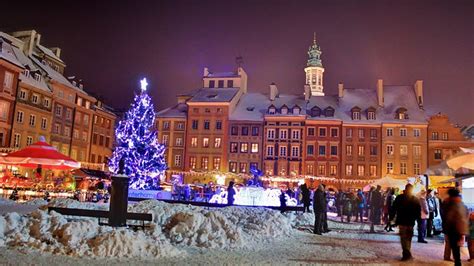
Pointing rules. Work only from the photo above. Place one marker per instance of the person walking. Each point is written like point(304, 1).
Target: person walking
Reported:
point(360, 206)
point(283, 201)
point(433, 212)
point(340, 202)
point(305, 197)
point(406, 208)
point(455, 223)
point(424, 215)
point(324, 224)
point(376, 205)
point(389, 199)
point(230, 193)
point(349, 200)
point(318, 208)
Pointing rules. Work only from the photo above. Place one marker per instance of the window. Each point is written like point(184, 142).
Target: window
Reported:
point(373, 170)
point(220, 84)
point(216, 163)
point(349, 133)
point(46, 102)
point(78, 117)
point(165, 139)
point(333, 150)
point(79, 101)
point(390, 149)
point(370, 115)
point(107, 141)
point(311, 131)
point(416, 168)
point(333, 169)
point(283, 133)
point(195, 124)
point(403, 150)
point(373, 150)
point(58, 110)
point(390, 168)
point(434, 135)
point(361, 133)
point(22, 95)
point(16, 140)
point(4, 110)
point(234, 131)
point(334, 132)
point(389, 132)
point(204, 163)
point(207, 110)
point(310, 149)
point(29, 140)
point(271, 133)
point(180, 125)
point(361, 150)
point(84, 137)
point(207, 124)
point(403, 168)
point(219, 110)
point(309, 169)
point(416, 132)
point(437, 154)
point(230, 84)
point(32, 121)
point(244, 147)
point(57, 129)
point(322, 150)
point(373, 133)
point(166, 125)
point(322, 132)
point(322, 170)
point(76, 136)
point(295, 134)
point(177, 160)
point(349, 169)
point(245, 131)
point(44, 123)
point(233, 167)
point(67, 132)
point(360, 170)
point(255, 131)
point(218, 125)
point(35, 98)
point(179, 142)
point(355, 115)
point(196, 110)
point(217, 143)
point(283, 151)
point(284, 110)
point(444, 136)
point(212, 83)
point(271, 110)
point(254, 148)
point(403, 132)
point(8, 81)
point(349, 150)
point(19, 116)
point(86, 120)
point(68, 114)
point(192, 162)
point(234, 146)
point(194, 142)
point(416, 150)
point(270, 150)
point(205, 142)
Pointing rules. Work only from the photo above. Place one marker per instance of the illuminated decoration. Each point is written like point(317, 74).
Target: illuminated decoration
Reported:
point(254, 196)
point(220, 180)
point(138, 146)
point(255, 181)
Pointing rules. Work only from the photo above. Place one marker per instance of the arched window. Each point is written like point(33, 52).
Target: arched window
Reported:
point(271, 109)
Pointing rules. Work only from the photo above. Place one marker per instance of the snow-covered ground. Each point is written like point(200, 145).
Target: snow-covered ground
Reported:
point(181, 234)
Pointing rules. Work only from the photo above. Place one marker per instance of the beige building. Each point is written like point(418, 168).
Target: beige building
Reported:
point(103, 134)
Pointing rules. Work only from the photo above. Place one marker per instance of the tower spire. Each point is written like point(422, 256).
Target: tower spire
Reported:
point(314, 69)
point(314, 38)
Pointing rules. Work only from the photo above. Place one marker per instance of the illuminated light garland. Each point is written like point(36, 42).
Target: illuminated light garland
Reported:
point(138, 144)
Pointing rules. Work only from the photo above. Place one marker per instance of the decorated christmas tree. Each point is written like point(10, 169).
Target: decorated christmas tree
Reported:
point(137, 145)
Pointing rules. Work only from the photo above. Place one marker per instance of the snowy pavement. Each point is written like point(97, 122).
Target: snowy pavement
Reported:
point(183, 235)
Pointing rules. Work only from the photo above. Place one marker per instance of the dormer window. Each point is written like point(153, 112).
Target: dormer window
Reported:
point(315, 111)
point(26, 72)
point(272, 110)
point(355, 113)
point(284, 110)
point(401, 113)
point(371, 113)
point(329, 111)
point(37, 77)
point(296, 110)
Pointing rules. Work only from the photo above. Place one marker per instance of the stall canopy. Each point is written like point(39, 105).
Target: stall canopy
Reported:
point(41, 155)
point(83, 173)
point(462, 160)
point(387, 182)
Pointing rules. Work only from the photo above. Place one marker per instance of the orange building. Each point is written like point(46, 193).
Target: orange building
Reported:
point(103, 133)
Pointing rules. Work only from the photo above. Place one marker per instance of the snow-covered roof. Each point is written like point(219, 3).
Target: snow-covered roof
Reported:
point(48, 52)
point(6, 52)
point(251, 107)
point(214, 95)
point(177, 111)
point(27, 63)
point(222, 75)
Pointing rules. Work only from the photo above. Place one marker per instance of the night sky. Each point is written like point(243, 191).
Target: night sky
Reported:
point(111, 46)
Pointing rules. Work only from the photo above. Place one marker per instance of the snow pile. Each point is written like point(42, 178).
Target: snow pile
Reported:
point(174, 226)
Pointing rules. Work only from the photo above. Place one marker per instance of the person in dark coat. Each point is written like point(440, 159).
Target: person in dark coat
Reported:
point(348, 209)
point(324, 224)
point(306, 197)
point(360, 206)
point(230, 193)
point(406, 208)
point(376, 205)
point(340, 203)
point(433, 212)
point(282, 201)
point(389, 199)
point(318, 208)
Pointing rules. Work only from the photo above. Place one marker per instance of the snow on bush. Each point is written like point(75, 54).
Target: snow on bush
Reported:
point(174, 226)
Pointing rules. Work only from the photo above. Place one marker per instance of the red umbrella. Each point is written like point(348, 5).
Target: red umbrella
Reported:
point(40, 154)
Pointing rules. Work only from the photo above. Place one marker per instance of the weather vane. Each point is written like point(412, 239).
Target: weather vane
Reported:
point(143, 84)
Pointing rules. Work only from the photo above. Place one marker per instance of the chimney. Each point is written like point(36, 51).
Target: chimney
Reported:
point(419, 92)
point(81, 86)
point(380, 92)
point(38, 38)
point(307, 92)
point(56, 51)
point(273, 91)
point(206, 72)
point(340, 88)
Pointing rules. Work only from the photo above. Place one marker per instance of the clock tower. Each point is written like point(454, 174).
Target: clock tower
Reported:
point(314, 69)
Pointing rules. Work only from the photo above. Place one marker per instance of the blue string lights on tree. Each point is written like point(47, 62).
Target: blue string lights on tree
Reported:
point(138, 146)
